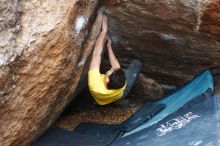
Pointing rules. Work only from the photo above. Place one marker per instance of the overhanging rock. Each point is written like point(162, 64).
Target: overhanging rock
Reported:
point(175, 40)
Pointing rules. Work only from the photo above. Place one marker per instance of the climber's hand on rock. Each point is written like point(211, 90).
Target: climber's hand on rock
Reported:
point(104, 23)
point(109, 42)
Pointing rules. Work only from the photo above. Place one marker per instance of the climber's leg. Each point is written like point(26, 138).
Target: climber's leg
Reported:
point(131, 74)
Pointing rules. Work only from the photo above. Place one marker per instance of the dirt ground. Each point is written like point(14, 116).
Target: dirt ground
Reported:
point(110, 115)
point(84, 109)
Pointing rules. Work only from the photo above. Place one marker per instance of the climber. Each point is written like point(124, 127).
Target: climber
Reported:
point(115, 83)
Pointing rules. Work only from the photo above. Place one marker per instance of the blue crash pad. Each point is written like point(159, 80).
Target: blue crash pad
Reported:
point(173, 102)
point(194, 124)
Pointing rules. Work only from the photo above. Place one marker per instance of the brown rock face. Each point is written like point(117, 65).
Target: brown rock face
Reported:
point(44, 53)
point(175, 39)
point(148, 89)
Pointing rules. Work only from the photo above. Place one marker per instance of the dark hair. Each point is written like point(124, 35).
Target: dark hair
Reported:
point(116, 79)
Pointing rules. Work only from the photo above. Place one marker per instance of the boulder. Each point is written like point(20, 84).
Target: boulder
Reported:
point(147, 88)
point(175, 40)
point(44, 53)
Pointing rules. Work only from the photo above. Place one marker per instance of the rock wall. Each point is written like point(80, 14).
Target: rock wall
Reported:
point(175, 39)
point(44, 49)
point(147, 88)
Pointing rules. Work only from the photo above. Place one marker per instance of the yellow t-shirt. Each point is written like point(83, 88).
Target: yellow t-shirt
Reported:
point(98, 90)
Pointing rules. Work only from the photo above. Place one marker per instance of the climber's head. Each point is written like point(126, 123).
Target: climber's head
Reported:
point(115, 78)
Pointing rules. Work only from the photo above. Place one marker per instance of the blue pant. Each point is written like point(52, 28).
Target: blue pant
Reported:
point(131, 74)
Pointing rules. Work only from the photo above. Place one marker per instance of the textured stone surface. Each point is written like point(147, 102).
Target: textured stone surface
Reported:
point(175, 39)
point(148, 89)
point(44, 53)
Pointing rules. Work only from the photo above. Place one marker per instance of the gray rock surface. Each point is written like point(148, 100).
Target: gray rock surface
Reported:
point(175, 39)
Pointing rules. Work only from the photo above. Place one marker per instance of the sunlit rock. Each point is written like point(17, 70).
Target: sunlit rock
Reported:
point(44, 49)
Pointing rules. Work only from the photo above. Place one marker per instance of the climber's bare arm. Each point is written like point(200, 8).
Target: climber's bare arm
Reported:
point(99, 45)
point(113, 60)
